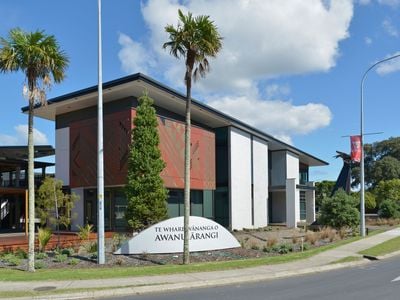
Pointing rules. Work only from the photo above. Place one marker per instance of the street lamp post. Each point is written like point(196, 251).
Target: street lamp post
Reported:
point(362, 170)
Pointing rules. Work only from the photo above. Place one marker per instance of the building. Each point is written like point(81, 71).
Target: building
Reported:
point(241, 177)
point(14, 184)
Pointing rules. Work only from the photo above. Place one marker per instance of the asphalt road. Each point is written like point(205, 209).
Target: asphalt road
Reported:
point(376, 280)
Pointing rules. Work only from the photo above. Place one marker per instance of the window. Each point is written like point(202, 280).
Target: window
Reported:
point(303, 210)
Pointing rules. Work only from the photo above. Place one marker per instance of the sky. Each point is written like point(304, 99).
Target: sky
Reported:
point(291, 68)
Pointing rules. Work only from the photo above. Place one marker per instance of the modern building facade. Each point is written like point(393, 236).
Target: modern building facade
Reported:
point(241, 177)
point(14, 184)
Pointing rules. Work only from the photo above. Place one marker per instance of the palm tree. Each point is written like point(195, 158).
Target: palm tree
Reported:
point(195, 39)
point(39, 57)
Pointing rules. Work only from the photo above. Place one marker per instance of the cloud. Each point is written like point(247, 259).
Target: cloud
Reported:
point(279, 118)
point(391, 3)
point(262, 40)
point(21, 137)
point(368, 41)
point(390, 66)
point(364, 2)
point(277, 90)
point(390, 28)
point(133, 56)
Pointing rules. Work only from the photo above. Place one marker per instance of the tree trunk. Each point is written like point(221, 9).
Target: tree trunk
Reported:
point(31, 189)
point(186, 259)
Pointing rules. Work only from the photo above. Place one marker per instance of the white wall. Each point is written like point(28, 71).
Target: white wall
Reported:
point(260, 182)
point(278, 168)
point(240, 179)
point(62, 155)
point(292, 203)
point(78, 210)
point(292, 166)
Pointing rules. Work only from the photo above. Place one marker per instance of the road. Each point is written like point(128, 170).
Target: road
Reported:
point(376, 280)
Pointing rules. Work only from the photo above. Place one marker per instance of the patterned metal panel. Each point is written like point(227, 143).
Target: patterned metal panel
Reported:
point(117, 131)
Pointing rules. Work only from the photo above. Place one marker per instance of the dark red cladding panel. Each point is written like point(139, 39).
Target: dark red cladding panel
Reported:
point(117, 131)
point(83, 147)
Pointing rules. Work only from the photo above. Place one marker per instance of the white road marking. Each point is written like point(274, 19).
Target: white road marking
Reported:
point(396, 279)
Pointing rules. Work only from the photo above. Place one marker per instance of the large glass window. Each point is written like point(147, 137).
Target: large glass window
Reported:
point(115, 204)
point(201, 203)
point(303, 174)
point(303, 209)
point(221, 194)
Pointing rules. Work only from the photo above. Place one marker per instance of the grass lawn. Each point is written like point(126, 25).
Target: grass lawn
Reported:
point(347, 259)
point(108, 272)
point(384, 248)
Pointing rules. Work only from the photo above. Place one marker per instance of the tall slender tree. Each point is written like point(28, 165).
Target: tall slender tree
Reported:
point(194, 39)
point(145, 189)
point(42, 61)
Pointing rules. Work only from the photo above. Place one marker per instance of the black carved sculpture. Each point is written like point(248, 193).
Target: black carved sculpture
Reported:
point(343, 181)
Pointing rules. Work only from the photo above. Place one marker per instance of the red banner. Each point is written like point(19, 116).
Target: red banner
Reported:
point(355, 141)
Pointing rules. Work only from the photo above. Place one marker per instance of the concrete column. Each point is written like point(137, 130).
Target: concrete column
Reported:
point(292, 203)
point(310, 203)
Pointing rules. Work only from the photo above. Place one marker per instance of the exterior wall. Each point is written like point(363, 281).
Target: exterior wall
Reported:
point(278, 209)
point(310, 203)
point(292, 167)
point(117, 133)
point(62, 155)
point(278, 168)
point(240, 179)
point(260, 182)
point(292, 203)
point(78, 210)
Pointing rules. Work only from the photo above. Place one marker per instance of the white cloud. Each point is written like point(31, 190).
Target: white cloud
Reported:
point(390, 28)
point(392, 3)
point(262, 40)
point(368, 41)
point(279, 118)
point(133, 56)
point(21, 137)
point(277, 90)
point(390, 66)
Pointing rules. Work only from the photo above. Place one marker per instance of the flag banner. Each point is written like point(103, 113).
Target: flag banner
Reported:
point(355, 141)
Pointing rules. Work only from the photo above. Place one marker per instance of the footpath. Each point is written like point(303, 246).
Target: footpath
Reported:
point(146, 284)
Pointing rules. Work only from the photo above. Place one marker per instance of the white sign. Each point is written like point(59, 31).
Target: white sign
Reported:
point(167, 237)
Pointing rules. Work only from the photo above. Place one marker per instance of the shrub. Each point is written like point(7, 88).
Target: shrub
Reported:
point(389, 209)
point(340, 210)
point(21, 254)
point(11, 259)
point(60, 258)
point(68, 251)
point(254, 246)
point(285, 248)
point(84, 231)
point(91, 247)
point(41, 255)
point(44, 236)
point(272, 241)
point(118, 240)
point(311, 237)
point(40, 265)
point(306, 246)
point(73, 261)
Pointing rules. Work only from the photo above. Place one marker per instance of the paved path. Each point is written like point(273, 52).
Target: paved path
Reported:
point(132, 285)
